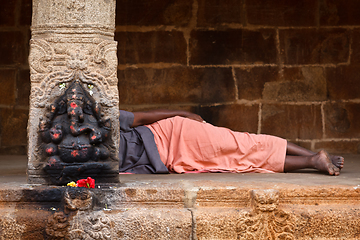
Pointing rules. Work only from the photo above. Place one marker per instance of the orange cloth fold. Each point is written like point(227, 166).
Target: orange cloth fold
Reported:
point(187, 145)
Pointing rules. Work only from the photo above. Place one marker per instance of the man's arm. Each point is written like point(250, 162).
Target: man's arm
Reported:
point(143, 118)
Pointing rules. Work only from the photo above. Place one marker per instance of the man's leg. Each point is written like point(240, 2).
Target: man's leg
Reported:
point(319, 161)
point(295, 150)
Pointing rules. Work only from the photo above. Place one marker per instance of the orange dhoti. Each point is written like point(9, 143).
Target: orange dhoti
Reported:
point(187, 145)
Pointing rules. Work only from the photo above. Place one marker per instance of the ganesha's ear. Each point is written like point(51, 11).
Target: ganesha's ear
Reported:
point(61, 106)
point(87, 108)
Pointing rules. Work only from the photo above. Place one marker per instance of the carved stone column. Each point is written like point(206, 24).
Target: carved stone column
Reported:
point(72, 46)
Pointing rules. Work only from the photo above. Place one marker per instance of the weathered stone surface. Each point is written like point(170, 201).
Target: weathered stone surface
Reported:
point(25, 18)
point(13, 150)
point(298, 84)
point(7, 13)
point(355, 54)
point(292, 121)
point(343, 82)
point(151, 47)
point(11, 121)
point(72, 41)
point(158, 223)
point(7, 89)
point(281, 13)
point(251, 81)
point(313, 46)
point(306, 145)
point(23, 88)
point(150, 13)
point(12, 48)
point(339, 147)
point(337, 12)
point(215, 13)
point(342, 120)
point(176, 85)
point(240, 118)
point(238, 46)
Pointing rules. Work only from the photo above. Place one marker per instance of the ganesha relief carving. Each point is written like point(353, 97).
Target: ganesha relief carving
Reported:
point(74, 137)
point(265, 221)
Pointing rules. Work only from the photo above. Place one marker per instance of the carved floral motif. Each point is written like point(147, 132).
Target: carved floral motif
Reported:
point(79, 220)
point(51, 67)
point(266, 221)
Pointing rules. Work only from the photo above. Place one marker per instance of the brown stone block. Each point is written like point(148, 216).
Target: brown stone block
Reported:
point(343, 82)
point(156, 12)
point(176, 85)
point(12, 48)
point(251, 81)
point(342, 120)
point(338, 12)
point(355, 54)
point(314, 46)
point(240, 118)
point(235, 46)
point(151, 47)
point(292, 121)
point(14, 150)
point(159, 223)
point(23, 88)
point(306, 145)
point(297, 84)
point(217, 223)
point(13, 127)
point(339, 147)
point(7, 89)
point(281, 13)
point(26, 12)
point(7, 13)
point(214, 13)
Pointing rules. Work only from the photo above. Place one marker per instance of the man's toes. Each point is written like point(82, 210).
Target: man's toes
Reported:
point(335, 170)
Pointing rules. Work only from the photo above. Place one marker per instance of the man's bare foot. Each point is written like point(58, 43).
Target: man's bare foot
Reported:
point(338, 161)
point(321, 161)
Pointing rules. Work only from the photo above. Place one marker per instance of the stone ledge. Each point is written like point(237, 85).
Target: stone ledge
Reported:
point(304, 205)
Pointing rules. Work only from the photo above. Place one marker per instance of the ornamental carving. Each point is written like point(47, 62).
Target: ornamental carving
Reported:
point(78, 220)
point(52, 67)
point(75, 138)
point(266, 221)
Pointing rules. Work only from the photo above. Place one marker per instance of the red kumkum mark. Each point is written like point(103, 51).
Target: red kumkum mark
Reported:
point(73, 105)
point(93, 137)
point(56, 135)
point(75, 153)
point(49, 150)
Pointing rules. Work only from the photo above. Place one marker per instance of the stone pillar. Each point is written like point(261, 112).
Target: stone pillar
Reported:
point(72, 41)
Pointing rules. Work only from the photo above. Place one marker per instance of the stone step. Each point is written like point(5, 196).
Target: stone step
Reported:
point(302, 205)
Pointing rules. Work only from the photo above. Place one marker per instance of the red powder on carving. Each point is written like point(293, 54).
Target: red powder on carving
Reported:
point(56, 135)
point(75, 153)
point(72, 128)
point(49, 150)
point(73, 105)
point(93, 137)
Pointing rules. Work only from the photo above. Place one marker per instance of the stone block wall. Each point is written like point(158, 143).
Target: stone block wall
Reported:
point(15, 18)
point(288, 68)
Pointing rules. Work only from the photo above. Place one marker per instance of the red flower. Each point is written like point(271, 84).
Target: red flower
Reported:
point(87, 183)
